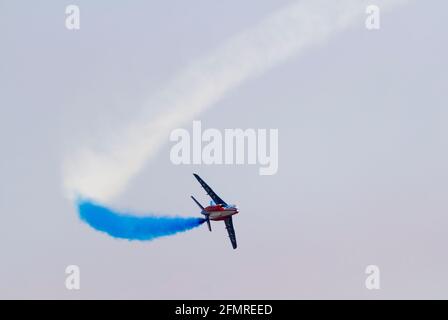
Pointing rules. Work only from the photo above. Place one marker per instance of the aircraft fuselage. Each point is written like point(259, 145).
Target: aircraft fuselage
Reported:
point(218, 212)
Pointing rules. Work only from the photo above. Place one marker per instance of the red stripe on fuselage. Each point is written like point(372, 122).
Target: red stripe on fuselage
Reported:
point(214, 208)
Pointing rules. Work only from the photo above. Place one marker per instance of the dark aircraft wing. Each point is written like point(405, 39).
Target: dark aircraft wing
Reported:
point(216, 199)
point(231, 231)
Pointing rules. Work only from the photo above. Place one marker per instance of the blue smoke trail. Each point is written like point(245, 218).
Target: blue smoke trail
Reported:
point(127, 226)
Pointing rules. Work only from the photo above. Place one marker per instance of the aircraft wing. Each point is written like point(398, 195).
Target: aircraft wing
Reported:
point(231, 231)
point(216, 199)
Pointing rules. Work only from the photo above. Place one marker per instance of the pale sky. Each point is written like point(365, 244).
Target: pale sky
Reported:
point(363, 160)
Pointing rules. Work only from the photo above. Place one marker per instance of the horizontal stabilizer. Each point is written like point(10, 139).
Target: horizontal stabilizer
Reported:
point(197, 202)
point(209, 225)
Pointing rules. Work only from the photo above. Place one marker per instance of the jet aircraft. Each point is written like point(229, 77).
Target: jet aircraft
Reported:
point(218, 210)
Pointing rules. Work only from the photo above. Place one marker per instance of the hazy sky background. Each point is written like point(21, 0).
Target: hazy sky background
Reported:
point(363, 159)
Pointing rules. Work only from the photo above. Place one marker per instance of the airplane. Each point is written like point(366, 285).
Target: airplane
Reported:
point(217, 210)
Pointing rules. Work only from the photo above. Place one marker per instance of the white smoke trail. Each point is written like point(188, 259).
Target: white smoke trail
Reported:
point(101, 175)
